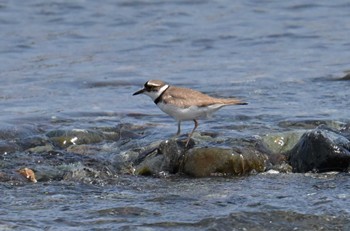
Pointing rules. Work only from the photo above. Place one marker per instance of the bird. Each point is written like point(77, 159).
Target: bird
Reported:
point(184, 104)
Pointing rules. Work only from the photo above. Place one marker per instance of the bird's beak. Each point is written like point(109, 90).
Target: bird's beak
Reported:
point(139, 91)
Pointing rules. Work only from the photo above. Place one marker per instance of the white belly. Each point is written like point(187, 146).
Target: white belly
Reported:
point(189, 113)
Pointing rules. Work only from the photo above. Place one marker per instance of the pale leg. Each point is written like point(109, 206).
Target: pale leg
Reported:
point(190, 135)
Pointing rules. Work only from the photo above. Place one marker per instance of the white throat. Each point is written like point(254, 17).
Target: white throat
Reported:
point(155, 94)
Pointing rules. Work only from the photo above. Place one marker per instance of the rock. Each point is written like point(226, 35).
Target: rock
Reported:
point(345, 77)
point(15, 132)
point(33, 142)
point(41, 149)
point(46, 173)
point(166, 157)
point(281, 142)
point(311, 124)
point(65, 138)
point(7, 147)
point(84, 174)
point(172, 157)
point(173, 153)
point(201, 162)
point(28, 174)
point(320, 150)
point(84, 149)
point(4, 177)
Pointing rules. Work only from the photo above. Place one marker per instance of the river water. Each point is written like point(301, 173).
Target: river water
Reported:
point(75, 64)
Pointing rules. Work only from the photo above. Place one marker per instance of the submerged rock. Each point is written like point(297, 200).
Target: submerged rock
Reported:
point(311, 124)
point(8, 147)
point(41, 149)
point(320, 150)
point(65, 138)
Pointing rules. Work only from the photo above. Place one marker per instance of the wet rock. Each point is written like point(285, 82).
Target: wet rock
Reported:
point(65, 138)
point(281, 142)
point(173, 153)
point(346, 76)
point(345, 131)
point(129, 131)
point(41, 149)
point(84, 149)
point(8, 147)
point(201, 162)
point(166, 157)
point(14, 132)
point(121, 132)
point(83, 173)
point(45, 173)
point(4, 177)
point(32, 142)
point(311, 124)
point(320, 150)
point(172, 157)
point(28, 174)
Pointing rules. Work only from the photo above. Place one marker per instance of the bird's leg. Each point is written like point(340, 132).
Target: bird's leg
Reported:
point(178, 128)
point(190, 135)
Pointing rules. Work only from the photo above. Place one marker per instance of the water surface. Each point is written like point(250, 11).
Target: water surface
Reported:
point(75, 65)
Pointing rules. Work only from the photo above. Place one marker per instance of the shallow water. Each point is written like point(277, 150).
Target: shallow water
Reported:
point(261, 202)
point(75, 65)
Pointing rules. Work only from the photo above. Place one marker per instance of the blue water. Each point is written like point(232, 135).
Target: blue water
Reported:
point(75, 64)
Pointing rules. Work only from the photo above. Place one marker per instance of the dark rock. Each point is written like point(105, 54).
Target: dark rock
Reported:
point(167, 157)
point(345, 131)
point(7, 147)
point(4, 177)
point(320, 150)
point(173, 152)
point(32, 142)
point(346, 76)
point(84, 174)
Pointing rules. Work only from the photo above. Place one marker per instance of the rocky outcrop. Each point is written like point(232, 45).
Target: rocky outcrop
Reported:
point(320, 150)
point(101, 155)
point(172, 157)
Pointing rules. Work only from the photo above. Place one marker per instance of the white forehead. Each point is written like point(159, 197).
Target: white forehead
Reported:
point(155, 83)
point(155, 94)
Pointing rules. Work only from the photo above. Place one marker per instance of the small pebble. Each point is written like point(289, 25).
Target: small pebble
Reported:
point(28, 174)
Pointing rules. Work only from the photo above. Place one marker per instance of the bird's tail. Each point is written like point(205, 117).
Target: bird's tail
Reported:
point(233, 102)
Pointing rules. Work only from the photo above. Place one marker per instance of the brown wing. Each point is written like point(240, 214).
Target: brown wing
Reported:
point(185, 97)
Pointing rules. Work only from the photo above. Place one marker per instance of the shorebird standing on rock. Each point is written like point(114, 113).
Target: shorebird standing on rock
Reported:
point(184, 103)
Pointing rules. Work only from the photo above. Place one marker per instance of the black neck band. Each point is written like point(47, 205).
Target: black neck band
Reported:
point(157, 100)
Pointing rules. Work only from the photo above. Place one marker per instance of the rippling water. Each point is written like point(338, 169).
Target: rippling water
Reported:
point(75, 64)
point(263, 202)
